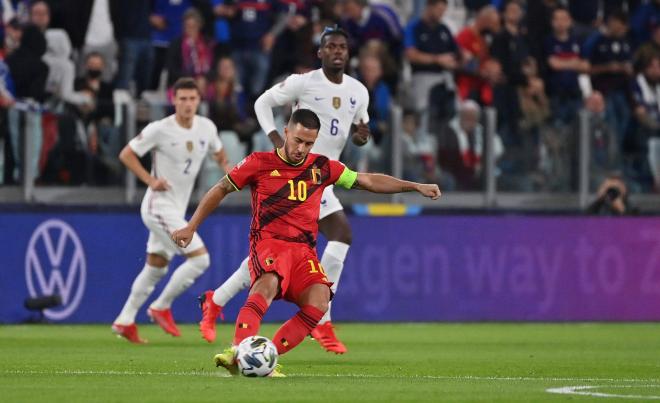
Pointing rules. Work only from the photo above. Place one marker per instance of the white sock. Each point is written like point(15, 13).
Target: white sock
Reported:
point(333, 263)
point(183, 277)
point(142, 287)
point(238, 281)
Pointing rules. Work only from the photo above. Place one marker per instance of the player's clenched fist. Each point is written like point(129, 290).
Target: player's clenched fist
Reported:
point(430, 190)
point(361, 134)
point(183, 236)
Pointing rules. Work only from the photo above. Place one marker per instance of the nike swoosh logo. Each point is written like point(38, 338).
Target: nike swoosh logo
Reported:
point(318, 98)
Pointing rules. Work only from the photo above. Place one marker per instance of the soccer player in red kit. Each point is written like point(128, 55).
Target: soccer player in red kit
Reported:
point(287, 185)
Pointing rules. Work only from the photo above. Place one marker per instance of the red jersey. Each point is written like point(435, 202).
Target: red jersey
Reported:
point(471, 84)
point(286, 197)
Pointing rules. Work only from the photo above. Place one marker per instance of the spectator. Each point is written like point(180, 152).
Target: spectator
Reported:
point(223, 12)
point(166, 26)
point(510, 50)
point(562, 55)
point(28, 71)
point(61, 70)
point(418, 151)
point(433, 55)
point(191, 55)
point(479, 71)
point(605, 150)
point(295, 46)
point(646, 96)
point(40, 15)
point(12, 39)
point(135, 50)
point(645, 20)
point(534, 104)
point(461, 146)
point(537, 26)
point(648, 49)
point(611, 70)
point(254, 27)
point(29, 74)
point(228, 104)
point(546, 150)
point(380, 98)
point(585, 14)
point(365, 22)
point(612, 199)
point(6, 101)
point(104, 141)
point(92, 26)
point(646, 108)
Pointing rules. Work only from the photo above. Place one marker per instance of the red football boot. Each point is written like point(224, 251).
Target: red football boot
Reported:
point(325, 335)
point(165, 320)
point(129, 332)
point(210, 313)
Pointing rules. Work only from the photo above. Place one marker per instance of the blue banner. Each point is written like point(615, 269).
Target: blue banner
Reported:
point(423, 268)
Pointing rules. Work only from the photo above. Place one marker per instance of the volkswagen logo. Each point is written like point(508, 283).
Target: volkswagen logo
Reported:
point(55, 264)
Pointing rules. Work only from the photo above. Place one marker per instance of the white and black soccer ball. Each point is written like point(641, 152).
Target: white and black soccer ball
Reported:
point(256, 356)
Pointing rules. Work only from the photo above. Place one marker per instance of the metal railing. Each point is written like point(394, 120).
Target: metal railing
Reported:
point(489, 197)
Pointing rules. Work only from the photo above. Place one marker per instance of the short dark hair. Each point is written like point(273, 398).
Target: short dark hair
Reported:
point(186, 83)
point(306, 118)
point(619, 15)
point(330, 31)
point(561, 8)
point(361, 3)
point(430, 3)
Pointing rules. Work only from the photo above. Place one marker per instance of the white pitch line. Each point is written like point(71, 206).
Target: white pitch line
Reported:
point(586, 391)
point(346, 375)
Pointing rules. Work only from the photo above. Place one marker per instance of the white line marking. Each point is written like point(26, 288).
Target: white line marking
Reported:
point(222, 374)
point(585, 391)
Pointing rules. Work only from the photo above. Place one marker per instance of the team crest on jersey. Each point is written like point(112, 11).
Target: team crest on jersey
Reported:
point(315, 174)
point(189, 146)
point(336, 102)
point(269, 261)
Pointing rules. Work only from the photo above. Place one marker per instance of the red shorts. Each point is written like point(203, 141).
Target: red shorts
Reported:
point(296, 265)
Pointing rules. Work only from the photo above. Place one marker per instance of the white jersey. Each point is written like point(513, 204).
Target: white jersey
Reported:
point(337, 106)
point(177, 155)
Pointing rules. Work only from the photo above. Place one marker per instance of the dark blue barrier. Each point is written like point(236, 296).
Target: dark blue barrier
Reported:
point(399, 269)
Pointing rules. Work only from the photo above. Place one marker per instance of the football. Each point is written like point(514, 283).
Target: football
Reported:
point(256, 356)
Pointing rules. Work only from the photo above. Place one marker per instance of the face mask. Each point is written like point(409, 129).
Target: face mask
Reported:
point(94, 74)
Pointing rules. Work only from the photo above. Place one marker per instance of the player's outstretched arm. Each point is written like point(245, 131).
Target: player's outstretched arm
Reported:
point(381, 183)
point(210, 201)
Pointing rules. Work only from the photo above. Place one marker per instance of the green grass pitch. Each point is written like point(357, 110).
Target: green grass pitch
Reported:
point(386, 362)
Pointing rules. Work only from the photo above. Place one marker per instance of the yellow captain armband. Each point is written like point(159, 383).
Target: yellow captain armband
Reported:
point(231, 182)
point(347, 179)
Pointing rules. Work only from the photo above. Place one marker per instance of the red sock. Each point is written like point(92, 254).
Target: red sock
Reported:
point(295, 329)
point(249, 317)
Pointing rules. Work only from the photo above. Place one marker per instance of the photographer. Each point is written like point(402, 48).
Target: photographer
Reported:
point(612, 199)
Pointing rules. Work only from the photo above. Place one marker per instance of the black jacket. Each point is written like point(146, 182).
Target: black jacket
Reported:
point(27, 69)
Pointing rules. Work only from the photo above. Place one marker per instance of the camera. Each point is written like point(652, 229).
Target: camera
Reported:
point(612, 193)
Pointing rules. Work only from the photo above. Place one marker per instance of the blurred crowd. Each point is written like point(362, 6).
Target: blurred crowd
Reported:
point(547, 67)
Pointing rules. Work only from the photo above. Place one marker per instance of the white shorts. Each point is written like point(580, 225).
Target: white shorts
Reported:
point(161, 224)
point(329, 203)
